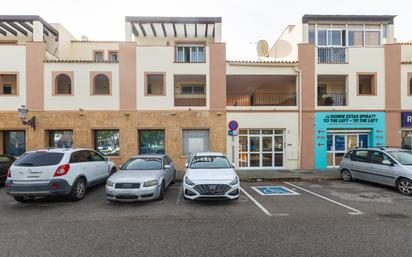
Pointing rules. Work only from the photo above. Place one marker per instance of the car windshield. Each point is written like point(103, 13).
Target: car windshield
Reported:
point(209, 162)
point(39, 159)
point(403, 157)
point(143, 164)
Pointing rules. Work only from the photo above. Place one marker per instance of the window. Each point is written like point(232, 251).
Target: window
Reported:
point(14, 142)
point(98, 56)
point(312, 33)
point(113, 56)
point(81, 156)
point(8, 84)
point(190, 53)
point(195, 140)
point(40, 158)
point(107, 142)
point(63, 84)
point(378, 157)
point(322, 37)
point(355, 38)
point(366, 84)
point(96, 157)
point(155, 84)
point(61, 138)
point(360, 156)
point(101, 84)
point(192, 89)
point(151, 141)
point(372, 38)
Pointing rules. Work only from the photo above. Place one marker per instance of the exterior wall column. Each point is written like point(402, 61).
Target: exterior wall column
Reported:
point(37, 31)
point(393, 94)
point(217, 76)
point(127, 76)
point(306, 64)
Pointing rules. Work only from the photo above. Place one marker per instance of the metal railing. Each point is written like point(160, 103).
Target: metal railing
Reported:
point(332, 99)
point(333, 55)
point(262, 99)
point(182, 99)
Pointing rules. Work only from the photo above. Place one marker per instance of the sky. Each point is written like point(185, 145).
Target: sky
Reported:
point(244, 21)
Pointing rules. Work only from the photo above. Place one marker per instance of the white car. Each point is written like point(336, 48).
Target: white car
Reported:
point(210, 176)
point(141, 178)
point(59, 171)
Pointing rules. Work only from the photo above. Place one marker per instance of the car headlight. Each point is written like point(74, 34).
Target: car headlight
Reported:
point(109, 183)
point(150, 183)
point(235, 181)
point(189, 182)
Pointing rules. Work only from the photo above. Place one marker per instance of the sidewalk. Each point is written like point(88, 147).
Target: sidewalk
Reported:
point(254, 175)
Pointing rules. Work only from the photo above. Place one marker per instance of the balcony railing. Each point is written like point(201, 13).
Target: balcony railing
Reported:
point(267, 99)
point(333, 55)
point(332, 99)
point(190, 99)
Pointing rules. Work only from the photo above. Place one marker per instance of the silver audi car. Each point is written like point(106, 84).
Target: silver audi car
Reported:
point(387, 166)
point(141, 178)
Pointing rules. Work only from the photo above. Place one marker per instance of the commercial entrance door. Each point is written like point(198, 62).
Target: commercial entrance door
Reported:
point(261, 148)
point(339, 142)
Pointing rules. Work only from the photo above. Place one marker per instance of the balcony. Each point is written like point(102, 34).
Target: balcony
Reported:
point(182, 99)
point(268, 99)
point(261, 90)
point(332, 90)
point(190, 90)
point(332, 55)
point(332, 99)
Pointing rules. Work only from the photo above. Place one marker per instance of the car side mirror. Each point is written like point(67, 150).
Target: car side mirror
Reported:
point(187, 165)
point(167, 167)
point(387, 162)
point(233, 165)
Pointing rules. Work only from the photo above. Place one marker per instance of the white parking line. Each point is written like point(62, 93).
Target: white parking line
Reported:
point(256, 203)
point(353, 210)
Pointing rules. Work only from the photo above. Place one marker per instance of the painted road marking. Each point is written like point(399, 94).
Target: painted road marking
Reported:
point(353, 210)
point(274, 190)
point(256, 203)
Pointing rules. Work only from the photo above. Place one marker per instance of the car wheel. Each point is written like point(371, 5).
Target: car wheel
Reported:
point(23, 199)
point(174, 178)
point(404, 186)
point(346, 175)
point(162, 192)
point(79, 190)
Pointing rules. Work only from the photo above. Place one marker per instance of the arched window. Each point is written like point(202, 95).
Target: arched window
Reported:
point(63, 84)
point(101, 85)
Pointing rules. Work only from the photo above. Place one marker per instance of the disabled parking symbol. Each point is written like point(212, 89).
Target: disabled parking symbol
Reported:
point(274, 190)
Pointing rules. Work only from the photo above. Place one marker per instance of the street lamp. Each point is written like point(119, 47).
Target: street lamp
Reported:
point(23, 115)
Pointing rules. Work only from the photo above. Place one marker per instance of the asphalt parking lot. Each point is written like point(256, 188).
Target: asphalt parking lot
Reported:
point(325, 218)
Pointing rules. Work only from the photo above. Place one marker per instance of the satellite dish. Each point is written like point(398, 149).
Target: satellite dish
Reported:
point(262, 48)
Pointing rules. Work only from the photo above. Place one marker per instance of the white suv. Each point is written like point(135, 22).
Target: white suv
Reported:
point(60, 171)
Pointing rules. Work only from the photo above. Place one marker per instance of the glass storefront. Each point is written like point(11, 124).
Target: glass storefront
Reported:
point(151, 141)
point(14, 142)
point(340, 142)
point(261, 148)
point(406, 139)
point(61, 138)
point(107, 142)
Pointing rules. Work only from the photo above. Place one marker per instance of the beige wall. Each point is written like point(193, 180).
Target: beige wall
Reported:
point(82, 98)
point(361, 60)
point(162, 59)
point(13, 59)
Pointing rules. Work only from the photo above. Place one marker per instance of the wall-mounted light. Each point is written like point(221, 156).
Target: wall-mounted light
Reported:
point(23, 116)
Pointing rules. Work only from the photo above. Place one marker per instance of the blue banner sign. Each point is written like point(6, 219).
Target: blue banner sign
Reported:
point(406, 119)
